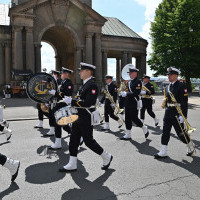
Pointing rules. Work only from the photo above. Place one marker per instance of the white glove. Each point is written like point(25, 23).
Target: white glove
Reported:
point(99, 104)
point(181, 119)
point(112, 105)
point(52, 92)
point(143, 92)
point(123, 93)
point(67, 100)
point(54, 77)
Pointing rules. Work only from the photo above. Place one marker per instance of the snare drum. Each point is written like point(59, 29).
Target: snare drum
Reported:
point(65, 115)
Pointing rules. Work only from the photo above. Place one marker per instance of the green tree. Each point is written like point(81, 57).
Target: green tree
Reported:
point(175, 35)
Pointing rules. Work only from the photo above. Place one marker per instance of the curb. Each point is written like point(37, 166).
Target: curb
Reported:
point(23, 119)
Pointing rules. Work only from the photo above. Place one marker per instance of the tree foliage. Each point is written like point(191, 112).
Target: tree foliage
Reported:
point(175, 35)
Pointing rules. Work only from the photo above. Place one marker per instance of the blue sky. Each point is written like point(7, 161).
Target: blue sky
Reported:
point(136, 14)
point(128, 11)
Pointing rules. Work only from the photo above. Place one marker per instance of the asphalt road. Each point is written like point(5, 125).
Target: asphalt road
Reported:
point(133, 174)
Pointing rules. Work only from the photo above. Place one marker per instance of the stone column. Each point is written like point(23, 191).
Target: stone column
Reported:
point(104, 64)
point(98, 59)
point(129, 58)
point(18, 51)
point(2, 65)
point(89, 48)
point(30, 54)
point(118, 71)
point(38, 57)
point(141, 65)
point(124, 58)
point(7, 63)
point(76, 71)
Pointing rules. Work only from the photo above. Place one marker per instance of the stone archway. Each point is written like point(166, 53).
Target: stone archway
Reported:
point(64, 44)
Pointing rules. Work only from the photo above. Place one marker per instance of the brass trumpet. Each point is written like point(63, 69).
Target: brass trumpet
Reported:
point(117, 110)
point(122, 87)
point(165, 100)
point(145, 88)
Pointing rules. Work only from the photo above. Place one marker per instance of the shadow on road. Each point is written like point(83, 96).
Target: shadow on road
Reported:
point(13, 187)
point(89, 190)
point(193, 106)
point(192, 167)
point(155, 130)
point(47, 172)
point(7, 142)
point(145, 149)
point(17, 102)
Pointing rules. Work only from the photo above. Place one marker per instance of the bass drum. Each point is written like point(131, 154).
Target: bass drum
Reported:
point(38, 87)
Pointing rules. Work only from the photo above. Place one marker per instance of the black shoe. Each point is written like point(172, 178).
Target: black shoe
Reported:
point(105, 167)
point(15, 175)
point(81, 143)
point(156, 156)
point(190, 153)
point(105, 129)
point(122, 138)
point(55, 149)
point(120, 126)
point(66, 171)
point(38, 127)
point(147, 134)
point(9, 137)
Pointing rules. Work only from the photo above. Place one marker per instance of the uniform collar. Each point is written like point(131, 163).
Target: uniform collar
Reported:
point(86, 80)
point(134, 79)
point(172, 83)
point(109, 83)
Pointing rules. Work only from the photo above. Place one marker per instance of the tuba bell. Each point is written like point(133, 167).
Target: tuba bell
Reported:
point(125, 78)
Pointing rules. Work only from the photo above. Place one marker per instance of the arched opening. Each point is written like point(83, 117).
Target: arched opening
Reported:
point(48, 56)
point(63, 43)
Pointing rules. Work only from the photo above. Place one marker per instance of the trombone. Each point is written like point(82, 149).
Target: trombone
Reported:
point(117, 110)
point(188, 129)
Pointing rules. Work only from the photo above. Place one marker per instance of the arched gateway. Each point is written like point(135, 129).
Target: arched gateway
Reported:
point(75, 31)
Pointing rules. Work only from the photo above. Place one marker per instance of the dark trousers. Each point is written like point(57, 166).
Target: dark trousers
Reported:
point(82, 127)
point(58, 129)
point(2, 159)
point(169, 121)
point(108, 111)
point(121, 103)
point(1, 128)
point(41, 115)
point(147, 105)
point(131, 115)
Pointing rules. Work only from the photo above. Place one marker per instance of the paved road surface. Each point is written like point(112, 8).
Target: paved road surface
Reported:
point(133, 174)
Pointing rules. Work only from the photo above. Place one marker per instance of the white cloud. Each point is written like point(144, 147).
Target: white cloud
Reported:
point(150, 7)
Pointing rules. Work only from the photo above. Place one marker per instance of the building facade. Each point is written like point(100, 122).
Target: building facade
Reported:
point(75, 31)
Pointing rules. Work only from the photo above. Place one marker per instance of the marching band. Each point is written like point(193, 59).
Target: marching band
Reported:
point(78, 115)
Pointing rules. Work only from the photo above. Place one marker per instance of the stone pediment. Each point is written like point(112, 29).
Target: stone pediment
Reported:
point(27, 9)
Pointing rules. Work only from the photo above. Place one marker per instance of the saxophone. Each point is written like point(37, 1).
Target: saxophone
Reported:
point(164, 100)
